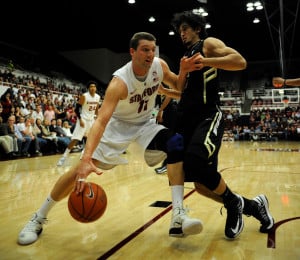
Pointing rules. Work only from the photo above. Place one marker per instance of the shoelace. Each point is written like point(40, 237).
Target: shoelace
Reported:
point(32, 224)
point(182, 210)
point(263, 213)
point(239, 209)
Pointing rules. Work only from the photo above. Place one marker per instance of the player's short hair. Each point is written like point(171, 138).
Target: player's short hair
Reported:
point(134, 41)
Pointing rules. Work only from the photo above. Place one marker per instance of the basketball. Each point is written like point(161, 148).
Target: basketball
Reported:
point(89, 205)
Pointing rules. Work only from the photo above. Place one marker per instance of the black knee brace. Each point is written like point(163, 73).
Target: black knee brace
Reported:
point(175, 149)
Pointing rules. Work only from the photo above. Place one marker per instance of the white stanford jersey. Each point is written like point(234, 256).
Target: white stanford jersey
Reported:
point(139, 104)
point(89, 106)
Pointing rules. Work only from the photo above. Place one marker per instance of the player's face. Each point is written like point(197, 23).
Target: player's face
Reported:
point(92, 89)
point(144, 54)
point(188, 35)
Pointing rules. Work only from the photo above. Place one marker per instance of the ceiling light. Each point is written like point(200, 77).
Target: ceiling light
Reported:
point(200, 11)
point(131, 1)
point(207, 26)
point(171, 32)
point(256, 20)
point(151, 19)
point(257, 3)
point(251, 6)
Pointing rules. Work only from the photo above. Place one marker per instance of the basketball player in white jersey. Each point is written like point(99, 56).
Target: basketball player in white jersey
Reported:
point(125, 117)
point(86, 109)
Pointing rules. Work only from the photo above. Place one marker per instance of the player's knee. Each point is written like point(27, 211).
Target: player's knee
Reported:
point(175, 149)
point(175, 143)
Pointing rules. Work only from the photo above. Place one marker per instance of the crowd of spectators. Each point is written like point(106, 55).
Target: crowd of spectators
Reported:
point(35, 118)
point(263, 125)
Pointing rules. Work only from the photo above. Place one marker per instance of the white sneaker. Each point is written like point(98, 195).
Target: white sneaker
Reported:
point(32, 230)
point(61, 161)
point(182, 225)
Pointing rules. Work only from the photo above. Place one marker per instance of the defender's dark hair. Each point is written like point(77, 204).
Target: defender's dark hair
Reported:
point(134, 41)
point(194, 20)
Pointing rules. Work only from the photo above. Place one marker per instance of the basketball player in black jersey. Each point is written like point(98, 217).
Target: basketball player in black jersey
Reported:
point(200, 122)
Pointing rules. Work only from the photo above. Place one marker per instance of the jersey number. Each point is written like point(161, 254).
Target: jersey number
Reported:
point(92, 108)
point(143, 106)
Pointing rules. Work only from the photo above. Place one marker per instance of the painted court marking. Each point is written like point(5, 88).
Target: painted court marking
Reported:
point(138, 231)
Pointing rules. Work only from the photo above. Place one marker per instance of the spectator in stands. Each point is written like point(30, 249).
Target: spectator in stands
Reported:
point(26, 111)
point(56, 126)
point(49, 113)
point(67, 128)
point(246, 133)
point(22, 141)
point(7, 141)
point(62, 140)
point(38, 113)
point(37, 131)
point(6, 104)
point(71, 116)
point(60, 110)
point(42, 132)
point(27, 131)
point(11, 132)
point(280, 82)
point(31, 101)
point(236, 132)
point(17, 113)
point(46, 133)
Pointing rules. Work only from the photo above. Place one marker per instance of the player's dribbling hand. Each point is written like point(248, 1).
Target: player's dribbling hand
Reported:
point(82, 171)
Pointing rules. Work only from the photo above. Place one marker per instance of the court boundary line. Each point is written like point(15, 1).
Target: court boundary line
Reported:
point(122, 243)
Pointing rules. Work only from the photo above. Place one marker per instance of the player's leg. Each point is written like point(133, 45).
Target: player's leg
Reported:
point(203, 147)
point(257, 207)
point(77, 136)
point(181, 223)
point(62, 188)
point(34, 227)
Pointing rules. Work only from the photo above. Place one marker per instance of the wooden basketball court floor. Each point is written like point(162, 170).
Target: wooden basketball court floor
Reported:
point(136, 222)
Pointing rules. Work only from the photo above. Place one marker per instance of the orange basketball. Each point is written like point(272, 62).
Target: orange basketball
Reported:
point(89, 205)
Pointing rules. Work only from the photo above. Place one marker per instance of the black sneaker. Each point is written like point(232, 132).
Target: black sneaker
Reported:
point(162, 169)
point(234, 222)
point(262, 213)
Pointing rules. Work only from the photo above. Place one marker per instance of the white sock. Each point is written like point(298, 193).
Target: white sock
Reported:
point(67, 151)
point(177, 196)
point(46, 206)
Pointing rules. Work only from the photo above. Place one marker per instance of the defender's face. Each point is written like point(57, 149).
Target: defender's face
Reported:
point(188, 35)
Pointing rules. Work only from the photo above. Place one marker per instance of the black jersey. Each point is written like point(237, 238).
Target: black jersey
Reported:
point(202, 87)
